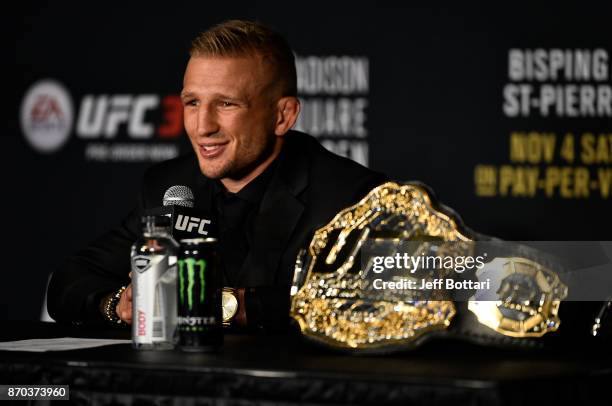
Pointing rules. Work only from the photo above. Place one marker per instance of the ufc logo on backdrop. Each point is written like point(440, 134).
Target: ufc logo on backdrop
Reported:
point(102, 116)
point(186, 223)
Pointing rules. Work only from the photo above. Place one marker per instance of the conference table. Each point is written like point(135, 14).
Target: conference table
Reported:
point(283, 368)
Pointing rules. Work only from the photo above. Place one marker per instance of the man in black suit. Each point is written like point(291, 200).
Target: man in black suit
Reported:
point(267, 187)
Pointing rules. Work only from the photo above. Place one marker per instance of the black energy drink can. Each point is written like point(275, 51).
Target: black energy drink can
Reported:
point(199, 322)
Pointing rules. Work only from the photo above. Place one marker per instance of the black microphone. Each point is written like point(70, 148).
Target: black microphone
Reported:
point(187, 221)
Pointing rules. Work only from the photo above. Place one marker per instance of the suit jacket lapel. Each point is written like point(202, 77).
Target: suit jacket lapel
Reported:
point(272, 228)
point(279, 213)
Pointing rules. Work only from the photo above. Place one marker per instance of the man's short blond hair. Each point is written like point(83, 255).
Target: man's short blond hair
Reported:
point(247, 38)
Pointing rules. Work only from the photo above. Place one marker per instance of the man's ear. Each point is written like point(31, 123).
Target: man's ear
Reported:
point(288, 109)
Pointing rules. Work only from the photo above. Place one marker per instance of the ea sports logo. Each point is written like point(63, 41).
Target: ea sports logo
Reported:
point(46, 116)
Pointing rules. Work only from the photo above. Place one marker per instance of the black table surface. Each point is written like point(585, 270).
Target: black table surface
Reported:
point(283, 368)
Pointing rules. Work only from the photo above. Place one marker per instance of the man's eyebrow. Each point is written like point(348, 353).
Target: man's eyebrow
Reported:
point(187, 94)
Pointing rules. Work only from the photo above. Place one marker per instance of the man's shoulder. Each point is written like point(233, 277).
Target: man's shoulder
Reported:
point(323, 161)
point(330, 174)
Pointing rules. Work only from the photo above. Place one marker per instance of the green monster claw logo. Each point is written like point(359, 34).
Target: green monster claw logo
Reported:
point(190, 264)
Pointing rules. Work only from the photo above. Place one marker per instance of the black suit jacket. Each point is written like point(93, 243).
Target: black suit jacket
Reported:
point(309, 187)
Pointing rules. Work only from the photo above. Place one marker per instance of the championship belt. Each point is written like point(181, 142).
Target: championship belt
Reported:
point(528, 298)
point(335, 301)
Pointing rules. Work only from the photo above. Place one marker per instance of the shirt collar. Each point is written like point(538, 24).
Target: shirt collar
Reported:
point(253, 192)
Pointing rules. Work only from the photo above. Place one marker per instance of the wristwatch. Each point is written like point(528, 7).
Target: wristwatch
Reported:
point(229, 305)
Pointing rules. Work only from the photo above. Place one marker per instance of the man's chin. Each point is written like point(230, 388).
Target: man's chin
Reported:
point(214, 174)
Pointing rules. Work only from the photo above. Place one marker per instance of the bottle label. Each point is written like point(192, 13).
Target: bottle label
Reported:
point(154, 300)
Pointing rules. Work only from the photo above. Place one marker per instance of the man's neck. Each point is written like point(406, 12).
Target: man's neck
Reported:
point(235, 185)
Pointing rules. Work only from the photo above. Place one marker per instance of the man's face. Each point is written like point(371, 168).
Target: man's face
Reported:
point(229, 114)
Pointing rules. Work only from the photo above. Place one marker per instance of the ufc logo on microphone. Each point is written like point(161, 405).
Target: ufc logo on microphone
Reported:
point(186, 223)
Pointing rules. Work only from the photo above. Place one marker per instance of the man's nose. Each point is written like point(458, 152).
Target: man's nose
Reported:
point(207, 123)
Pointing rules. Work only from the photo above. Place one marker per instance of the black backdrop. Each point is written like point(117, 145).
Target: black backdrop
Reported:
point(419, 93)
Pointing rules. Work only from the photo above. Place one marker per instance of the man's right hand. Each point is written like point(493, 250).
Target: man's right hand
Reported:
point(124, 307)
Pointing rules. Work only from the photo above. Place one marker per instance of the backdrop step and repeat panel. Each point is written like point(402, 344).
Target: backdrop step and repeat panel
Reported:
point(506, 113)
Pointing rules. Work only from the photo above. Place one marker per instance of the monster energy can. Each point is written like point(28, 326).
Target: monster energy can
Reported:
point(199, 295)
